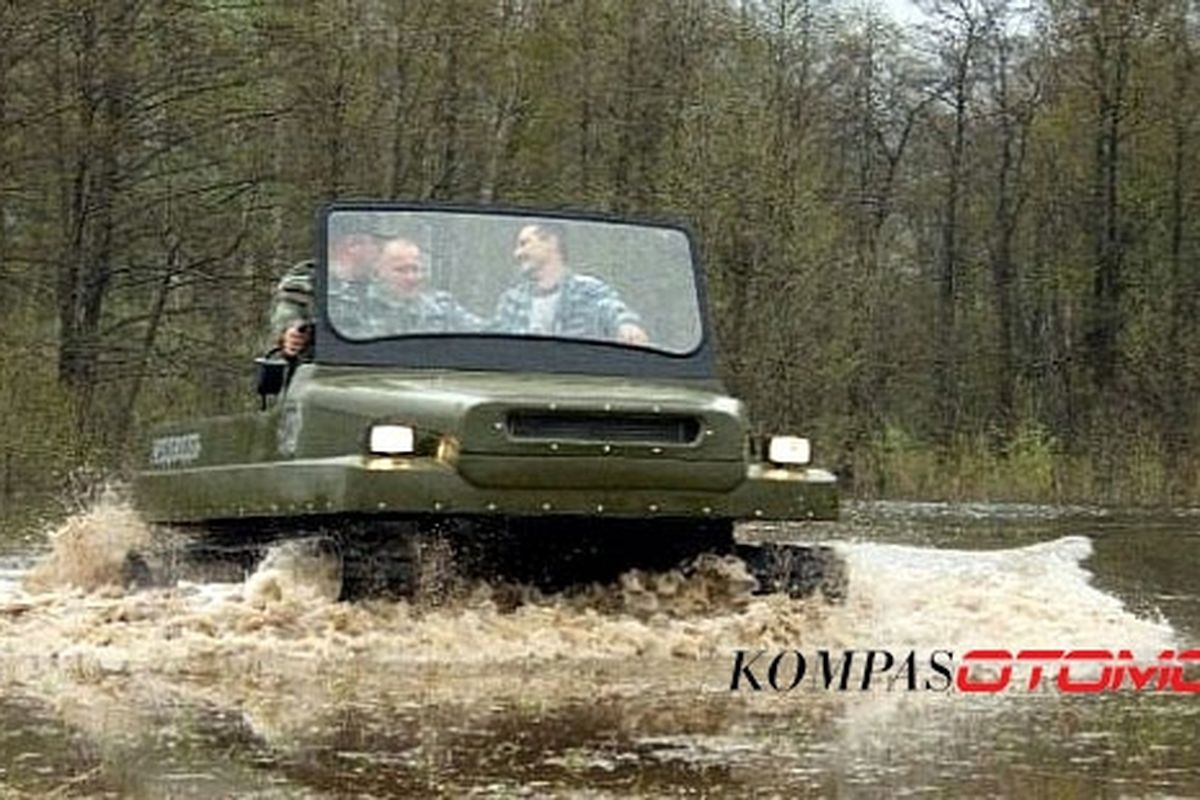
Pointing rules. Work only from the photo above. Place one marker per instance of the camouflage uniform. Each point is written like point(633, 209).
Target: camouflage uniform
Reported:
point(292, 302)
point(361, 310)
point(588, 308)
point(351, 306)
point(427, 312)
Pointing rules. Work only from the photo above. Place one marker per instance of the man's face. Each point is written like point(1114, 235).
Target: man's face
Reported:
point(353, 256)
point(364, 249)
point(400, 268)
point(534, 250)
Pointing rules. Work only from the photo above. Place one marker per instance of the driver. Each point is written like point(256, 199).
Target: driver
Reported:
point(352, 255)
point(291, 311)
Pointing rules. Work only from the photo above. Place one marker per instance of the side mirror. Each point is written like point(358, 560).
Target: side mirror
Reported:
point(270, 376)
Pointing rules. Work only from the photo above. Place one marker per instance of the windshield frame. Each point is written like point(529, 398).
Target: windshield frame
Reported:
point(507, 352)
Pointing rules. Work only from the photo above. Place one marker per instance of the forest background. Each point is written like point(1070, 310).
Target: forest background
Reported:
point(964, 257)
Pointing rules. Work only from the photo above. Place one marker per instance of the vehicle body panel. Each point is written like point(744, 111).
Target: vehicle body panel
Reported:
point(308, 454)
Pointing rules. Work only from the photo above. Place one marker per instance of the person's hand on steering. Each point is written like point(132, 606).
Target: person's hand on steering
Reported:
point(295, 339)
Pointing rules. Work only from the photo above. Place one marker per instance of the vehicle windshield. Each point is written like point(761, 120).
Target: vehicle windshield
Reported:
point(423, 272)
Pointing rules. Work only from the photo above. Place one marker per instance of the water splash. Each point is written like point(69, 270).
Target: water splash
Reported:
point(1038, 596)
point(303, 572)
point(285, 614)
point(91, 550)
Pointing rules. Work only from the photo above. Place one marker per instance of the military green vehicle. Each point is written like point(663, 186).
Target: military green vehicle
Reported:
point(531, 392)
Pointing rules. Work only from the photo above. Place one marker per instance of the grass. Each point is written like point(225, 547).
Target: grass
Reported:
point(1032, 466)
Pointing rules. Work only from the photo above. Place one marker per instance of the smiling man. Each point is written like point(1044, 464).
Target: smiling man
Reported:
point(550, 299)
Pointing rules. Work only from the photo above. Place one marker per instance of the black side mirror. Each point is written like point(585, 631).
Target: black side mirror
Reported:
point(270, 376)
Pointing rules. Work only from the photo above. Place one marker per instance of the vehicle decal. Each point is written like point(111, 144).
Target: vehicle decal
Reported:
point(170, 451)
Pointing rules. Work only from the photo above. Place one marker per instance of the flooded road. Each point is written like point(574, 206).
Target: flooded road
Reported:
point(268, 687)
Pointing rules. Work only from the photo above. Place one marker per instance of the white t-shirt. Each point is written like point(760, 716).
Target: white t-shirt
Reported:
point(543, 311)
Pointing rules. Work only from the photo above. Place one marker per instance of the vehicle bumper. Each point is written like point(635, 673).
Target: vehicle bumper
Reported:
point(366, 485)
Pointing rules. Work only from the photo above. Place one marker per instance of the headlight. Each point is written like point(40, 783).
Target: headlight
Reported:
point(391, 440)
point(792, 450)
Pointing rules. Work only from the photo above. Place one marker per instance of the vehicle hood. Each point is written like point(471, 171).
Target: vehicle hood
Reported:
point(477, 409)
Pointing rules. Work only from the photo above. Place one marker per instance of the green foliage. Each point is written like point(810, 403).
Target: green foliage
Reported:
point(1031, 466)
point(40, 443)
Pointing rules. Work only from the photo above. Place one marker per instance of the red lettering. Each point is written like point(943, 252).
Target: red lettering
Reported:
point(966, 684)
point(1139, 675)
point(1035, 674)
point(1118, 676)
point(1164, 674)
point(1067, 684)
point(1177, 680)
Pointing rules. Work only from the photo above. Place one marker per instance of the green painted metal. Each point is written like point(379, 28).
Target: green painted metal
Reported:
point(308, 455)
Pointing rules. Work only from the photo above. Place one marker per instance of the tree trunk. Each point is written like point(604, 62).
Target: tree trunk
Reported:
point(1111, 51)
point(1181, 401)
point(946, 358)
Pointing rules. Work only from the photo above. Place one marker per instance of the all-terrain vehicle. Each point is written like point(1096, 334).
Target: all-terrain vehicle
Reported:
point(530, 392)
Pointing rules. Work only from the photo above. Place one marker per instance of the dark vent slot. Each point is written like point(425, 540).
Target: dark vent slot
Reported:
point(646, 428)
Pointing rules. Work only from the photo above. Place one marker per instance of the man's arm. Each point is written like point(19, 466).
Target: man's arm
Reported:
point(292, 310)
point(617, 320)
point(458, 318)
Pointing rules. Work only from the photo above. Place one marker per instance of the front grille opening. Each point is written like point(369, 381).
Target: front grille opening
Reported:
point(588, 427)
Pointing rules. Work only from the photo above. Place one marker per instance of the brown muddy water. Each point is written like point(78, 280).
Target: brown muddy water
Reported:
point(266, 687)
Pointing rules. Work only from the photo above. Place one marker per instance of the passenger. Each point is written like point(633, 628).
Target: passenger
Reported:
point(552, 300)
point(403, 304)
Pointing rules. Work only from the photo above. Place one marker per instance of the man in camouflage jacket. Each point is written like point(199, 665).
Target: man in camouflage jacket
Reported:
point(377, 291)
point(552, 300)
point(352, 258)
